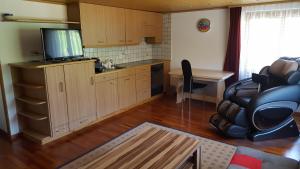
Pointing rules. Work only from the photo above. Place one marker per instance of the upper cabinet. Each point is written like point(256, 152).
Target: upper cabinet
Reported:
point(152, 24)
point(133, 26)
point(111, 26)
point(93, 24)
point(115, 25)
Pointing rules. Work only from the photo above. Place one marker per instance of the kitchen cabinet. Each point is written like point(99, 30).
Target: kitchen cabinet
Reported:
point(133, 26)
point(93, 24)
point(152, 25)
point(80, 87)
point(106, 94)
point(143, 83)
point(126, 88)
point(115, 25)
point(57, 100)
point(111, 26)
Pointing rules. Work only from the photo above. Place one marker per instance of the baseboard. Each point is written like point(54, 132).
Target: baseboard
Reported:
point(8, 136)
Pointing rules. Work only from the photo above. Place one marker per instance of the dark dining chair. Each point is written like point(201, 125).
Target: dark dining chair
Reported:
point(188, 83)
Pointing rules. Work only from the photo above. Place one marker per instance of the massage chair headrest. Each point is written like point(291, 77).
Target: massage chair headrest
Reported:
point(286, 70)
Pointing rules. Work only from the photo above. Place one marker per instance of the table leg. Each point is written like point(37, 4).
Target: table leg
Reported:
point(220, 91)
point(197, 159)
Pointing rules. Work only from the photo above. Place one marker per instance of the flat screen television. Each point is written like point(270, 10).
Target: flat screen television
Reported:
point(61, 44)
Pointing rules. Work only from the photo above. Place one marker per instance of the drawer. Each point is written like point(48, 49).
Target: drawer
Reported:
point(143, 69)
point(143, 75)
point(60, 130)
point(105, 77)
point(143, 95)
point(143, 84)
point(126, 72)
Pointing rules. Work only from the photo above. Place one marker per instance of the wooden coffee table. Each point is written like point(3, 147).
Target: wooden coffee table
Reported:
point(152, 148)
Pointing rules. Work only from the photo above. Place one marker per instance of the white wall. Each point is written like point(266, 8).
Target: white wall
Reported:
point(204, 50)
point(19, 41)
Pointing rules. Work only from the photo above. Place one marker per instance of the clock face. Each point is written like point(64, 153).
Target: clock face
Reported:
point(203, 25)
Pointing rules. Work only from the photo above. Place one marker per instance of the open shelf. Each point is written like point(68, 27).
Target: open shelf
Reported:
point(32, 101)
point(29, 86)
point(35, 136)
point(6, 17)
point(33, 116)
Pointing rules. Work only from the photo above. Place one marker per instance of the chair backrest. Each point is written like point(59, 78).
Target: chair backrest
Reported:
point(187, 75)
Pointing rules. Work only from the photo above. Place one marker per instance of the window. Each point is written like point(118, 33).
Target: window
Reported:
point(267, 33)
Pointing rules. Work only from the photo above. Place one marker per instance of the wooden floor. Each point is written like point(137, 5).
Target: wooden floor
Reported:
point(25, 154)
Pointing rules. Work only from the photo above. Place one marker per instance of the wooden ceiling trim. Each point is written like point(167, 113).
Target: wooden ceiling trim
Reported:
point(171, 5)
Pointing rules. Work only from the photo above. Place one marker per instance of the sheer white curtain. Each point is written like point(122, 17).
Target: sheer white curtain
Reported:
point(267, 33)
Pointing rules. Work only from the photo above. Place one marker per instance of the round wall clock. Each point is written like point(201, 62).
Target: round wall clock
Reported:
point(203, 25)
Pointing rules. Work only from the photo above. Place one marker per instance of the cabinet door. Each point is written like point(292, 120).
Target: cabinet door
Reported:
point(57, 101)
point(115, 25)
point(126, 91)
point(152, 24)
point(81, 97)
point(133, 26)
point(107, 97)
point(92, 18)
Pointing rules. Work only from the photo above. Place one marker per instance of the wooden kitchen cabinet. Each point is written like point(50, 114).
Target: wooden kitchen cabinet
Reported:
point(93, 24)
point(57, 100)
point(81, 98)
point(143, 83)
point(115, 25)
point(152, 25)
point(111, 26)
point(126, 91)
point(133, 26)
point(106, 94)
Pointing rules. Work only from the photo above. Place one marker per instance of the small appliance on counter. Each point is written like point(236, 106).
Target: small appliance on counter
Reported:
point(99, 68)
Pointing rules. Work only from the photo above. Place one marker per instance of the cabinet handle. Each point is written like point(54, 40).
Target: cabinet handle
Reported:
point(127, 79)
point(92, 81)
point(100, 41)
point(122, 41)
point(61, 86)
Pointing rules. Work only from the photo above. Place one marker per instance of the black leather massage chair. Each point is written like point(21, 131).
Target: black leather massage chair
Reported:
point(261, 107)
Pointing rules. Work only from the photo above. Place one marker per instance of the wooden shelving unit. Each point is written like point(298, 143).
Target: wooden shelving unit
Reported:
point(31, 103)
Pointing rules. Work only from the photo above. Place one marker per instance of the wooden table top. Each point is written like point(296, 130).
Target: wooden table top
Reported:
point(152, 148)
point(204, 74)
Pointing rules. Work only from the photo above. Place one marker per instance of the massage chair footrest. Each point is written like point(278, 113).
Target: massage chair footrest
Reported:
point(227, 128)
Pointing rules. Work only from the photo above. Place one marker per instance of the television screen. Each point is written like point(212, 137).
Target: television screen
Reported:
point(61, 43)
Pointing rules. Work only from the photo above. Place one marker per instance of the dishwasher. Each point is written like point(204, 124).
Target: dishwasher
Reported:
point(157, 79)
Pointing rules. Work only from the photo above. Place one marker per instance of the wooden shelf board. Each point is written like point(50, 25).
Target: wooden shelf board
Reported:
point(33, 116)
point(35, 136)
point(31, 86)
point(31, 101)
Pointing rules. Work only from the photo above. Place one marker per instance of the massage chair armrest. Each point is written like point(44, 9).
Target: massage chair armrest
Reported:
point(231, 90)
point(289, 93)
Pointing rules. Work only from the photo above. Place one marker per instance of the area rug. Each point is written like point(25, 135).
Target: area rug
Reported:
point(214, 155)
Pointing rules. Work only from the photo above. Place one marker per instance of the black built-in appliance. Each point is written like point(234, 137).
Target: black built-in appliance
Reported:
point(157, 79)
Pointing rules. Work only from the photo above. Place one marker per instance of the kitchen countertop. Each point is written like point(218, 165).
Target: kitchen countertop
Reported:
point(134, 64)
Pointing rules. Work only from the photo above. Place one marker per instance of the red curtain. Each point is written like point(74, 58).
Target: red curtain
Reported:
point(232, 59)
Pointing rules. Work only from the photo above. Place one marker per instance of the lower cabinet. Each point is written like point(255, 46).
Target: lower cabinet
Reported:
point(57, 100)
point(143, 83)
point(80, 87)
point(126, 91)
point(107, 96)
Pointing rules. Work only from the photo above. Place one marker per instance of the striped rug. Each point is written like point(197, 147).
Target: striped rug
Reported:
point(214, 155)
